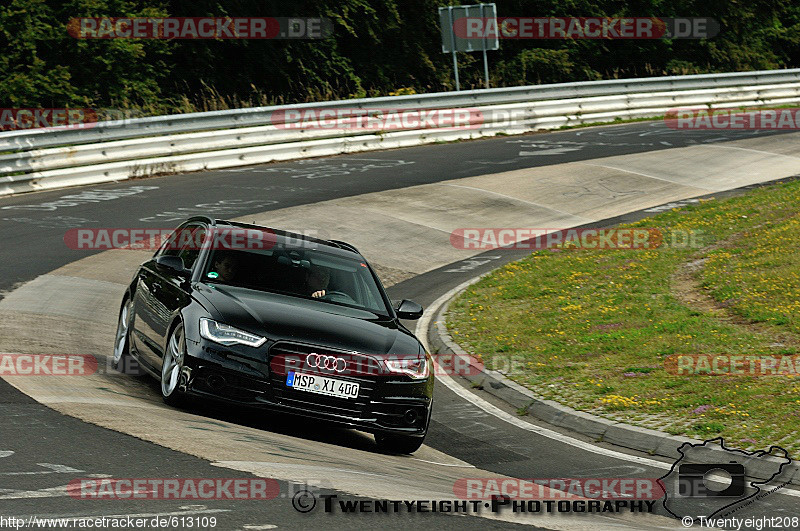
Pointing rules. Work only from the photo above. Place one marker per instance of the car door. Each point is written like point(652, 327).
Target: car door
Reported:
point(161, 292)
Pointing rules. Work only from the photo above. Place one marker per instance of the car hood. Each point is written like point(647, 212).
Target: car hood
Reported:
point(282, 317)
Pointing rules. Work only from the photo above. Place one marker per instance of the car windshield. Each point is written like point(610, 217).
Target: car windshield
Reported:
point(301, 272)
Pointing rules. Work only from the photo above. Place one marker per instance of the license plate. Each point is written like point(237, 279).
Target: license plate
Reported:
point(321, 385)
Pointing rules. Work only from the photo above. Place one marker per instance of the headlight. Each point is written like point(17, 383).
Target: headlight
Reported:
point(416, 368)
point(228, 335)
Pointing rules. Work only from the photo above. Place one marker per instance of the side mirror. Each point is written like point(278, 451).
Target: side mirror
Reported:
point(172, 264)
point(409, 310)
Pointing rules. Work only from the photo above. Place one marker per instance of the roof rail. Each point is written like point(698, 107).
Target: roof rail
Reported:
point(344, 245)
point(205, 219)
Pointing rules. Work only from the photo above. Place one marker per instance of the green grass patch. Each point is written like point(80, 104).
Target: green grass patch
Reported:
point(592, 328)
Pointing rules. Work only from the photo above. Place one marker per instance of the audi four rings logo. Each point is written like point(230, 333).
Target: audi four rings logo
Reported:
point(329, 363)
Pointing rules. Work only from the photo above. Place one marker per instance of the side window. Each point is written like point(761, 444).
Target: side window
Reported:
point(186, 242)
point(191, 251)
point(171, 245)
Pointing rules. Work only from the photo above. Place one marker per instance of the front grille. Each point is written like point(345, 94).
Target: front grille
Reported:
point(362, 369)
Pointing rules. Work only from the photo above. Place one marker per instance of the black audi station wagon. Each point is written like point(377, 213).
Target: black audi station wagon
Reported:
point(259, 317)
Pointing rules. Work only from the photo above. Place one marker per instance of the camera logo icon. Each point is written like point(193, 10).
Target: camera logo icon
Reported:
point(698, 480)
point(711, 479)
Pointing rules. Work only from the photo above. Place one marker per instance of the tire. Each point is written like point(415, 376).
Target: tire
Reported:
point(122, 360)
point(398, 444)
point(172, 378)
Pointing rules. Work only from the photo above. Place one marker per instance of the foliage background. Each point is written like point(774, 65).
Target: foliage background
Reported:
point(378, 47)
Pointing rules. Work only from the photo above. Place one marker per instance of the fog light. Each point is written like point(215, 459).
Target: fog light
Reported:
point(216, 382)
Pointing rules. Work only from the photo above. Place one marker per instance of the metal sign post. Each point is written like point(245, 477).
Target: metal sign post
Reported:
point(453, 45)
point(483, 46)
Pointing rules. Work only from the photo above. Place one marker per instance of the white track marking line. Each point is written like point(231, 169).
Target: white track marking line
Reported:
point(234, 465)
point(444, 464)
point(50, 492)
point(421, 332)
point(646, 175)
point(54, 469)
point(418, 224)
point(518, 200)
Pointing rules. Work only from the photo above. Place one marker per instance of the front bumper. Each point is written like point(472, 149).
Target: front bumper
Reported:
point(385, 403)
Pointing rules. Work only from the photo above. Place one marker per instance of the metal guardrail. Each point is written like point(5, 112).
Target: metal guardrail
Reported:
point(117, 150)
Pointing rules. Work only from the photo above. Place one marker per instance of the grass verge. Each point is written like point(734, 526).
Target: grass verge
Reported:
point(593, 328)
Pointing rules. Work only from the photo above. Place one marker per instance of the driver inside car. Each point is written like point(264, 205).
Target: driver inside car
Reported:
point(227, 265)
point(317, 281)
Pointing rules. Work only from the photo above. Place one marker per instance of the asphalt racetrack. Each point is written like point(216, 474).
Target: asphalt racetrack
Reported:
point(398, 207)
